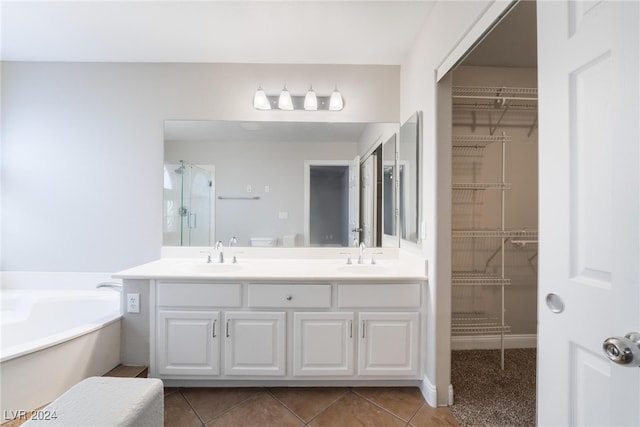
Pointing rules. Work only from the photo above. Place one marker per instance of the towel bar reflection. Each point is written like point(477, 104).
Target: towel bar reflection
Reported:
point(238, 198)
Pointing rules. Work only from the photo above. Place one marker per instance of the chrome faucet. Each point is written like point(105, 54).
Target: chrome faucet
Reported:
point(232, 242)
point(361, 254)
point(113, 285)
point(220, 248)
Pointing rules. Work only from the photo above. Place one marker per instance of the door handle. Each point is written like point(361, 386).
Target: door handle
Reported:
point(623, 350)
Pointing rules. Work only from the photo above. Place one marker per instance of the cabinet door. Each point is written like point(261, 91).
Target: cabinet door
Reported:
point(388, 344)
point(323, 344)
point(188, 342)
point(255, 343)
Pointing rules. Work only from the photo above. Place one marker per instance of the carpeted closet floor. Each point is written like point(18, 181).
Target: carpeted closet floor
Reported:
point(485, 395)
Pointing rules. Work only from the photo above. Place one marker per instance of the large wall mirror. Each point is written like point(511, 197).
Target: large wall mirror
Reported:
point(266, 183)
point(409, 177)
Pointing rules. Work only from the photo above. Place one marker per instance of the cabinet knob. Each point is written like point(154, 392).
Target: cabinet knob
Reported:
point(289, 297)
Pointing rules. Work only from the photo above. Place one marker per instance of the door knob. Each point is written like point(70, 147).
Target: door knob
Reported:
point(623, 350)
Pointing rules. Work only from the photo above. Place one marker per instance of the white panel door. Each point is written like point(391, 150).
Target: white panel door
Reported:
point(589, 287)
point(255, 343)
point(323, 344)
point(188, 342)
point(388, 344)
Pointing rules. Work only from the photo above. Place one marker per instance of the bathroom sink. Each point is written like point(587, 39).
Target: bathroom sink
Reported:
point(203, 267)
point(362, 269)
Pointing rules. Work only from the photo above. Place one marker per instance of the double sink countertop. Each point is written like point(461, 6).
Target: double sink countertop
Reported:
point(273, 268)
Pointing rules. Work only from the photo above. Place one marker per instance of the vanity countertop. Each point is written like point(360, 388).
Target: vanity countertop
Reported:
point(279, 269)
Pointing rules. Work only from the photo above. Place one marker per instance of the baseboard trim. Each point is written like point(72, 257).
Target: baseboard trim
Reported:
point(491, 342)
point(429, 392)
point(450, 397)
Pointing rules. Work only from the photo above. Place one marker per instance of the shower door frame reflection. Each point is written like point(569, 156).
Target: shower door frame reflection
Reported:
point(188, 210)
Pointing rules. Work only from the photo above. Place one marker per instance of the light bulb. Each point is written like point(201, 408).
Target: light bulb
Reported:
point(284, 101)
point(335, 101)
point(310, 100)
point(260, 100)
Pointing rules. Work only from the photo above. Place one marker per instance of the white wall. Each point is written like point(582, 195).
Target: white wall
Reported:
point(83, 146)
point(1, 152)
point(444, 30)
point(374, 135)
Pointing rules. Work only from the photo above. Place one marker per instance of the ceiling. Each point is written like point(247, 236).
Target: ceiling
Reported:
point(258, 31)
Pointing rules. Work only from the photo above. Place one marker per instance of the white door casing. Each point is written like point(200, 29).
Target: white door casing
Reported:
point(353, 189)
point(367, 195)
point(589, 214)
point(354, 201)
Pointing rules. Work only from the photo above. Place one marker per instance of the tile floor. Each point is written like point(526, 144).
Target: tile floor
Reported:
point(293, 406)
point(298, 407)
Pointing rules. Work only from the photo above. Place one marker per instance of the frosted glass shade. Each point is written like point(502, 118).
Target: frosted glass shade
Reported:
point(311, 100)
point(284, 101)
point(260, 100)
point(335, 101)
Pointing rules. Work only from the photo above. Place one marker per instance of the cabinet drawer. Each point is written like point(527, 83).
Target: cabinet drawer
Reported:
point(395, 296)
point(300, 296)
point(199, 295)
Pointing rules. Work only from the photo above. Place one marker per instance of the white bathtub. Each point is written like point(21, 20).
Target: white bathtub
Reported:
point(52, 339)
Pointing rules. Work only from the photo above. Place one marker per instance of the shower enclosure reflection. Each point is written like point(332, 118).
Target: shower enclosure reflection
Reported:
point(187, 205)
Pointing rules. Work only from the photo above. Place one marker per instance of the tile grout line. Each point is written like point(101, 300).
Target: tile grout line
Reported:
point(304, 422)
point(414, 414)
point(383, 408)
point(350, 390)
point(202, 423)
point(231, 408)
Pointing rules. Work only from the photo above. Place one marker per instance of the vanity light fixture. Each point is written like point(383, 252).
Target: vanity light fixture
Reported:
point(310, 100)
point(260, 100)
point(284, 101)
point(335, 101)
point(288, 102)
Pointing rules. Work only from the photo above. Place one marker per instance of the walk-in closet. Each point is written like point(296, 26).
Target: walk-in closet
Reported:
point(494, 207)
point(494, 238)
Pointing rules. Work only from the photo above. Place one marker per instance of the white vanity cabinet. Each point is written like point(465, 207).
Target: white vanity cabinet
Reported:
point(388, 344)
point(389, 327)
point(255, 343)
point(286, 331)
point(323, 344)
point(188, 328)
point(188, 342)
